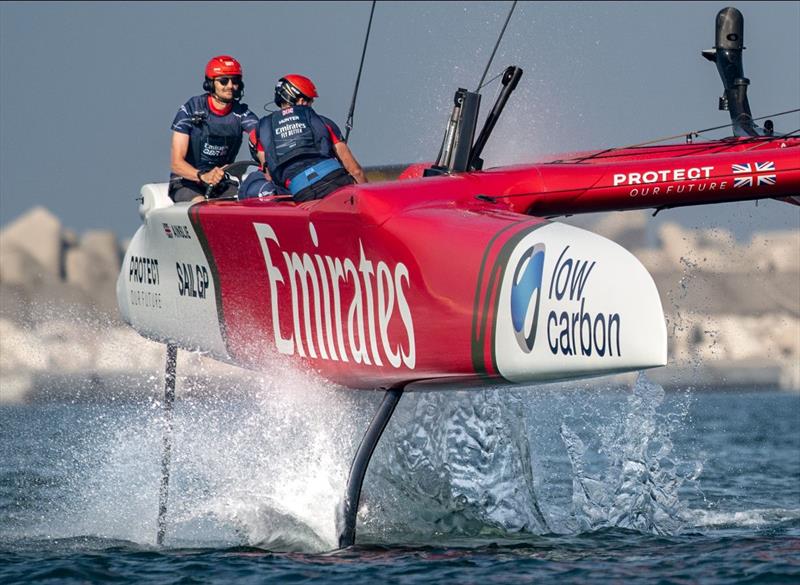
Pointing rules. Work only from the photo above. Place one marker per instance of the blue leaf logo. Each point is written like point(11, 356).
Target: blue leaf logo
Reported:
point(525, 295)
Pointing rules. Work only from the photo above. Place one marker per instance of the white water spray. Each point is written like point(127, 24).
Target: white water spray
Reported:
point(637, 477)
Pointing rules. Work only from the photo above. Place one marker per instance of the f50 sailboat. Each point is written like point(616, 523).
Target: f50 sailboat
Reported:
point(448, 275)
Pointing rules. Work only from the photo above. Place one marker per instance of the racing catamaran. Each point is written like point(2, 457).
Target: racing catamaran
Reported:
point(447, 275)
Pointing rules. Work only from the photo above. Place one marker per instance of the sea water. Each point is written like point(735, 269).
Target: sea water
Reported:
point(590, 483)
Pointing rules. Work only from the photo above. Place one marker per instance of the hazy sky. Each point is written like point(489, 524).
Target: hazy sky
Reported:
point(88, 90)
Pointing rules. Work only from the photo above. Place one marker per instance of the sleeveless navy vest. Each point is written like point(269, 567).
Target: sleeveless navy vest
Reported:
point(214, 140)
point(291, 136)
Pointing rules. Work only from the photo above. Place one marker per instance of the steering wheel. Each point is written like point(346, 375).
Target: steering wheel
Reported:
point(238, 169)
point(234, 172)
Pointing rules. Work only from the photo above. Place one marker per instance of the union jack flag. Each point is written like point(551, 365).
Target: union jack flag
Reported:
point(760, 179)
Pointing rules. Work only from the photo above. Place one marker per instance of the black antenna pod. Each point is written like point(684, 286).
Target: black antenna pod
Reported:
point(727, 54)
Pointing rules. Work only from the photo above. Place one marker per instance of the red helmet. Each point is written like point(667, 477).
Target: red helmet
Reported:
point(223, 65)
point(292, 87)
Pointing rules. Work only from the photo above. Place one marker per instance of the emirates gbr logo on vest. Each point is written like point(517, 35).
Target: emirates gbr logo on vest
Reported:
point(215, 150)
point(290, 125)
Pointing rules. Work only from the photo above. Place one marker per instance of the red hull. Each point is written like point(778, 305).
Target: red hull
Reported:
point(389, 283)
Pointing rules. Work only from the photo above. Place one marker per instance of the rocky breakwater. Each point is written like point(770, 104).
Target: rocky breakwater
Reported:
point(732, 308)
point(60, 332)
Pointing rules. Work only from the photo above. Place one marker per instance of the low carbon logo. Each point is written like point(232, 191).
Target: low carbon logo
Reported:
point(526, 290)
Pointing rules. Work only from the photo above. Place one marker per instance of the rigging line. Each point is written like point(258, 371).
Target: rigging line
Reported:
point(691, 149)
point(595, 187)
point(701, 146)
point(706, 148)
point(714, 146)
point(640, 144)
point(349, 123)
point(491, 80)
point(697, 132)
point(497, 44)
point(673, 137)
point(776, 115)
point(717, 146)
point(775, 137)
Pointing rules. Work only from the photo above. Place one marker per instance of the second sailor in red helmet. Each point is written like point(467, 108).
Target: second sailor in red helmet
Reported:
point(303, 151)
point(207, 133)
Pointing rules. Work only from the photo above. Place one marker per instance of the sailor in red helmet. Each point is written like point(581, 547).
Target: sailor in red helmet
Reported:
point(304, 152)
point(207, 133)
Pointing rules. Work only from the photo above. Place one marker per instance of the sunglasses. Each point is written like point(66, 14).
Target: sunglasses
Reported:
point(223, 81)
